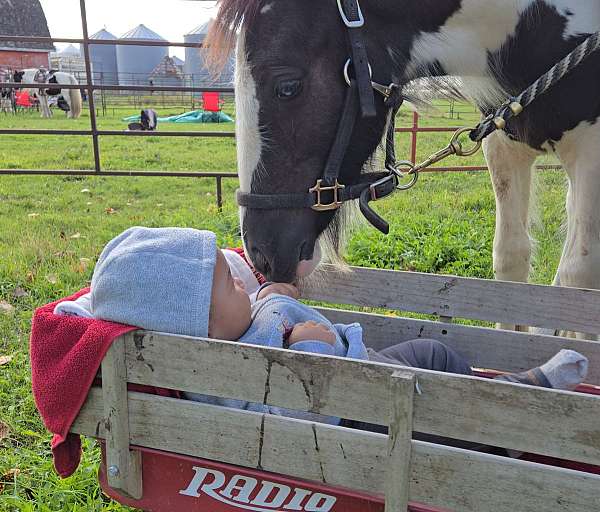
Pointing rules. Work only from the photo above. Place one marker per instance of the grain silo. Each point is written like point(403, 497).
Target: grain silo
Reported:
point(104, 59)
point(194, 67)
point(195, 58)
point(136, 63)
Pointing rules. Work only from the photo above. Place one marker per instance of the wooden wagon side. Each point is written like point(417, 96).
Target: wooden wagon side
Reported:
point(547, 422)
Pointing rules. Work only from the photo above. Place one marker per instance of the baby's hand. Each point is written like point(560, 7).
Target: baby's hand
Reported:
point(288, 290)
point(308, 331)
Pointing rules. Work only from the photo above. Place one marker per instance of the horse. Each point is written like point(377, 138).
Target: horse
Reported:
point(291, 90)
point(7, 101)
point(7, 96)
point(72, 103)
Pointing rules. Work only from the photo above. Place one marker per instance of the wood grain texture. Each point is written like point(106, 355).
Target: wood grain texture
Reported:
point(548, 422)
point(569, 309)
point(483, 347)
point(397, 486)
point(127, 475)
point(440, 476)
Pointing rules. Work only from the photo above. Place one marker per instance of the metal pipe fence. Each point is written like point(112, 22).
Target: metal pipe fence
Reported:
point(91, 86)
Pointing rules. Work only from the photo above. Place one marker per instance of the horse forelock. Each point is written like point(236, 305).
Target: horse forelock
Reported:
point(221, 38)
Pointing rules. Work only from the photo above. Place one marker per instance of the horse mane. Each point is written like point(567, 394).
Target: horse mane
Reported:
point(222, 34)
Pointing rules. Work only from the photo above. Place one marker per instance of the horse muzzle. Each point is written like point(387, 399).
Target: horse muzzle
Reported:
point(281, 255)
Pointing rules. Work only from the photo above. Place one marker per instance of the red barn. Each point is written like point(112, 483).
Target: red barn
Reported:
point(23, 18)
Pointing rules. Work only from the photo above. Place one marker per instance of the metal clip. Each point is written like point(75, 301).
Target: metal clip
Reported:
point(351, 24)
point(412, 171)
point(454, 148)
point(385, 90)
point(335, 204)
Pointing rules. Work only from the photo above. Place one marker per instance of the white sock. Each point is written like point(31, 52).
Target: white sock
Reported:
point(566, 370)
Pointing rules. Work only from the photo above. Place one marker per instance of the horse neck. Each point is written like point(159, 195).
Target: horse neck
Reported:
point(460, 44)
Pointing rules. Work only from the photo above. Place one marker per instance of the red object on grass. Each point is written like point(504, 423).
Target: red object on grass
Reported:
point(23, 99)
point(211, 102)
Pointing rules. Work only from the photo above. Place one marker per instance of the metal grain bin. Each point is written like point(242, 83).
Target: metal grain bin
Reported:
point(136, 63)
point(194, 67)
point(104, 59)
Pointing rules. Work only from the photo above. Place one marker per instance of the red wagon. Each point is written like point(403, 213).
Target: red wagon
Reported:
point(164, 454)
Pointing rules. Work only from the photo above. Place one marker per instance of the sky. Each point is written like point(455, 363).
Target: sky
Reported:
point(169, 18)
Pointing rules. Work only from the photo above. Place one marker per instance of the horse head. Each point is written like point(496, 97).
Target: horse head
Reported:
point(18, 76)
point(290, 94)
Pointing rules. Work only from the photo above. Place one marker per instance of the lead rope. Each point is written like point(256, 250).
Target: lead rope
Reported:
point(514, 106)
point(509, 109)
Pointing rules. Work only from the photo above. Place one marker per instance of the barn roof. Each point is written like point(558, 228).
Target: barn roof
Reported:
point(166, 67)
point(23, 18)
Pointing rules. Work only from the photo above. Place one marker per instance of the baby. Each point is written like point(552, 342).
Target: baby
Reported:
point(176, 280)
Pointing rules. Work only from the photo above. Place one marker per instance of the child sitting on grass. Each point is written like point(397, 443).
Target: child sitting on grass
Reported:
point(176, 280)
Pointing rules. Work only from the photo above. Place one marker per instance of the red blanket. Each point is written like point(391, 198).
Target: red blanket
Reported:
point(66, 353)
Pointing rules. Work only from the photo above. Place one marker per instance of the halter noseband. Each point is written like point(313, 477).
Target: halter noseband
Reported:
point(328, 194)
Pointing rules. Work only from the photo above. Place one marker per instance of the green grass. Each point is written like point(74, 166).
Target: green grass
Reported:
point(53, 228)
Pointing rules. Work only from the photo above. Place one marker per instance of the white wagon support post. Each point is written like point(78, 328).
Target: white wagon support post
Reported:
point(402, 386)
point(124, 466)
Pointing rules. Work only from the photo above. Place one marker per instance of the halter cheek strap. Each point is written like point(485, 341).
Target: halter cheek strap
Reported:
point(352, 17)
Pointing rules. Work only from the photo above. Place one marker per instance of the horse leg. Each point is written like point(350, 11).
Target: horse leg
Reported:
point(45, 107)
point(510, 166)
point(68, 100)
point(579, 266)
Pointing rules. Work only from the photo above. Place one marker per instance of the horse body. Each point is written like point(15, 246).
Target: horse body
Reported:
point(7, 101)
point(501, 61)
point(52, 80)
point(289, 88)
point(7, 96)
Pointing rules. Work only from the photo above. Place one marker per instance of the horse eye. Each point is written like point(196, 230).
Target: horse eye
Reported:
point(287, 89)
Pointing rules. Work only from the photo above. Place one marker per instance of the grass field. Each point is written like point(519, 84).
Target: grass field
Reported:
point(53, 228)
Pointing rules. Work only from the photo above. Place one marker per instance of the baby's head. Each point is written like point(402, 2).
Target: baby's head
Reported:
point(172, 280)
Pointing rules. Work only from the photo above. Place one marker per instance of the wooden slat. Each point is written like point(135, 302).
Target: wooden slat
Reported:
point(482, 347)
point(397, 487)
point(441, 476)
point(495, 301)
point(543, 421)
point(124, 467)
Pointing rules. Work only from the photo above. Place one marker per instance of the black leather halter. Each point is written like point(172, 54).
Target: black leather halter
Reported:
point(328, 193)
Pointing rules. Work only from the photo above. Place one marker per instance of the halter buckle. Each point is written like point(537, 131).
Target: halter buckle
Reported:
point(319, 188)
point(351, 24)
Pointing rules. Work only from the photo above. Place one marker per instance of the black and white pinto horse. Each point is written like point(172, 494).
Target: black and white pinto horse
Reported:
point(71, 98)
point(290, 93)
point(7, 96)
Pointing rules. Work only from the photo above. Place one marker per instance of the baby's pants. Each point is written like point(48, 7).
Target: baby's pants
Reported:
point(425, 354)
point(428, 355)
